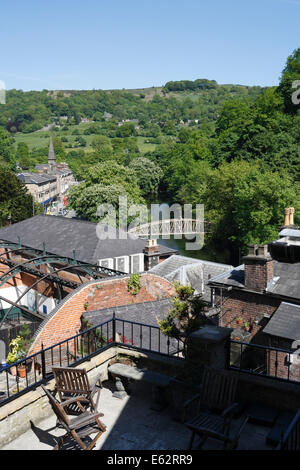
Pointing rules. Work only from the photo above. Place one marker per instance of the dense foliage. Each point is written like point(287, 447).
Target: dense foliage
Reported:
point(16, 203)
point(186, 315)
point(234, 148)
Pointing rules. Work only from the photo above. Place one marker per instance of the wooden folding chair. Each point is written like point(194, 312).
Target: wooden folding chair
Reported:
point(71, 382)
point(78, 428)
point(212, 409)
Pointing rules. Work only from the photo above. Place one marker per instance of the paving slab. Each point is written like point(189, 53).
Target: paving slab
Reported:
point(133, 425)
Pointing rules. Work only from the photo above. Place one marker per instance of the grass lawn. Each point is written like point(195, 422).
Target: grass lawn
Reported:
point(40, 139)
point(144, 146)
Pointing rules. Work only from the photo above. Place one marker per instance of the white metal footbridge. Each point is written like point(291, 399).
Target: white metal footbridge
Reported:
point(170, 227)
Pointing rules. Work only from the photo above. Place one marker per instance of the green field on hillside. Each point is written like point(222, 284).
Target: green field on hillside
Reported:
point(40, 139)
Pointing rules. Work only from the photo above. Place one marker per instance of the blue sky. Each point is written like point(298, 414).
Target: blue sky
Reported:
point(73, 44)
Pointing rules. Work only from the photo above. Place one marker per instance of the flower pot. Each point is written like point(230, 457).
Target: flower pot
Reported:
point(13, 370)
point(21, 371)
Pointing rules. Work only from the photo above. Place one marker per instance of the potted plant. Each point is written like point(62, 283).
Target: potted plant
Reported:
point(246, 326)
point(11, 359)
point(22, 367)
point(19, 347)
point(239, 321)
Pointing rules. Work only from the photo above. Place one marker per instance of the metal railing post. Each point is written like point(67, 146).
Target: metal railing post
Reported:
point(114, 327)
point(228, 353)
point(43, 363)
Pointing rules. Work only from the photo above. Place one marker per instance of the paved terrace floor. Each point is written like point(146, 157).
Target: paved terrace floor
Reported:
point(131, 424)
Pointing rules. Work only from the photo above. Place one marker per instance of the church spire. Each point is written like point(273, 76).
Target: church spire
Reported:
point(51, 157)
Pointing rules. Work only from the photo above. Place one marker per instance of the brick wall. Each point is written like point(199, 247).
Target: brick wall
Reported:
point(251, 306)
point(64, 322)
point(248, 306)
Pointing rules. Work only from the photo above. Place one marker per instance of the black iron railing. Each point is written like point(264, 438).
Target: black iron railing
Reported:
point(290, 440)
point(282, 364)
point(37, 368)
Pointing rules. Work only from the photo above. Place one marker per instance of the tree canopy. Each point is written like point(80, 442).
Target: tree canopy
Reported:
point(16, 203)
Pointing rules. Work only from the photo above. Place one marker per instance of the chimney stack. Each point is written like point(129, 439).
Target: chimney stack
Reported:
point(151, 251)
point(259, 268)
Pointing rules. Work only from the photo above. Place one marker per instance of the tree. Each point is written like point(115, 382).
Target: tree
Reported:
point(102, 147)
point(148, 175)
point(88, 199)
point(290, 74)
point(245, 202)
point(6, 151)
point(59, 149)
point(22, 155)
point(126, 130)
point(187, 314)
point(16, 203)
point(111, 173)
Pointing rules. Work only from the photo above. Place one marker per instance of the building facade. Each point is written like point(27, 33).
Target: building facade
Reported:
point(51, 182)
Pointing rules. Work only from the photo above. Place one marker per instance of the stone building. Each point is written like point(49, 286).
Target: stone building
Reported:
point(42, 187)
point(62, 172)
point(51, 182)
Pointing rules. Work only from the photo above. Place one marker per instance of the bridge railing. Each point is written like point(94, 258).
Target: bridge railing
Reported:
point(171, 227)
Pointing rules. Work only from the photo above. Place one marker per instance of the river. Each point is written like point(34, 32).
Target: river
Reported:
point(209, 252)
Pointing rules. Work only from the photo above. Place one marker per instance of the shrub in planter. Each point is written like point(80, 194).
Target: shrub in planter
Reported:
point(18, 350)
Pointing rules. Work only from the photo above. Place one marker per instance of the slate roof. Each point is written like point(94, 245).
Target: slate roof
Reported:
point(286, 280)
point(63, 235)
point(285, 322)
point(289, 232)
point(35, 178)
point(145, 313)
point(195, 272)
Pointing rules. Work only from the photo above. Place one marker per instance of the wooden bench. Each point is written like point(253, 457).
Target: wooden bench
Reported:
point(158, 381)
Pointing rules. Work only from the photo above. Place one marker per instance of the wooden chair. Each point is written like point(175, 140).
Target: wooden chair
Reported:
point(212, 409)
point(71, 382)
point(78, 428)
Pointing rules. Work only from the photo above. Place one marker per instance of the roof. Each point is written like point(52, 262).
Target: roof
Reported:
point(41, 166)
point(195, 272)
point(35, 178)
point(145, 313)
point(62, 235)
point(285, 322)
point(289, 232)
point(285, 282)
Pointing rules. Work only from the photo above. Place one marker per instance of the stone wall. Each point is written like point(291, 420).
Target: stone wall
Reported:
point(34, 406)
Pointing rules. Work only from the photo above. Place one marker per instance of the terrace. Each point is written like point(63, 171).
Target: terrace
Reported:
point(132, 425)
point(27, 421)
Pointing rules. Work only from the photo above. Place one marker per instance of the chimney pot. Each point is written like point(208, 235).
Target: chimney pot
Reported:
point(286, 217)
point(291, 217)
point(252, 250)
point(263, 250)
